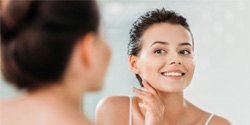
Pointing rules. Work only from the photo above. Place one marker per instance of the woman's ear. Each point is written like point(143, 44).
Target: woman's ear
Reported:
point(133, 64)
point(87, 46)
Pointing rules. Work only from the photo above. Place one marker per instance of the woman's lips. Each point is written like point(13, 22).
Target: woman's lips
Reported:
point(173, 74)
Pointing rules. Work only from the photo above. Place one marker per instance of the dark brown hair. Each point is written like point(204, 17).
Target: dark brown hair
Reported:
point(37, 38)
point(148, 19)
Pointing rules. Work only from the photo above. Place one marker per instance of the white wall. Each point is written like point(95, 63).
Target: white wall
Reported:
point(222, 43)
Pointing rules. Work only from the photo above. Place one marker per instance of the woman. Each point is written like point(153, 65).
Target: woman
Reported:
point(161, 54)
point(54, 51)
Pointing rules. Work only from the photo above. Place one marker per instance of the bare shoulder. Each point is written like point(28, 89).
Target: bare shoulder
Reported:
point(218, 120)
point(113, 100)
point(112, 110)
point(73, 120)
point(12, 110)
point(3, 105)
point(113, 104)
point(5, 102)
point(8, 111)
point(7, 105)
point(203, 116)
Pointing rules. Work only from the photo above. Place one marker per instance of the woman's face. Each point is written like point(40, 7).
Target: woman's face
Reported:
point(166, 58)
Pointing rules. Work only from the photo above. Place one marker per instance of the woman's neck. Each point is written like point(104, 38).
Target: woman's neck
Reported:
point(58, 95)
point(175, 106)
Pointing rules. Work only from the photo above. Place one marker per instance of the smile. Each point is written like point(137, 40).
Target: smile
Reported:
point(173, 74)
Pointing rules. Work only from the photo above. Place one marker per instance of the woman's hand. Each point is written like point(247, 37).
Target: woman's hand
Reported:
point(152, 103)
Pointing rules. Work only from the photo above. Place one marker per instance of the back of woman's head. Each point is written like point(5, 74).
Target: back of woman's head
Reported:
point(37, 38)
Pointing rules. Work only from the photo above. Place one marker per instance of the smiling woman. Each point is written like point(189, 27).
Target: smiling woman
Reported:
point(161, 54)
point(169, 47)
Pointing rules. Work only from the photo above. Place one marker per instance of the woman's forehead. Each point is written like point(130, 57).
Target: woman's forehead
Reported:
point(168, 33)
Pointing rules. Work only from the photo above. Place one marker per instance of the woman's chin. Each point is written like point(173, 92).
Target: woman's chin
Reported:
point(172, 88)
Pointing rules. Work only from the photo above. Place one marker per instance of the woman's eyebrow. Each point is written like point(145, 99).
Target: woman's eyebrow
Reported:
point(160, 42)
point(166, 43)
point(185, 44)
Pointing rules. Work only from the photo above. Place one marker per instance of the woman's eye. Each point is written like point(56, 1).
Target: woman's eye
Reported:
point(185, 52)
point(160, 51)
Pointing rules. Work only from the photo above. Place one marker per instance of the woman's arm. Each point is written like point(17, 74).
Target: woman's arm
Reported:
point(113, 110)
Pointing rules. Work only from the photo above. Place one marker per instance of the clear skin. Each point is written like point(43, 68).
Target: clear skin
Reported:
point(165, 48)
point(61, 103)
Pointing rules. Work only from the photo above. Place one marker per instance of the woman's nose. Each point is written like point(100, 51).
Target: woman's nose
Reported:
point(175, 60)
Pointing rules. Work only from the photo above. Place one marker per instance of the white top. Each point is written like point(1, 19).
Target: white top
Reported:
point(130, 109)
point(209, 119)
point(131, 114)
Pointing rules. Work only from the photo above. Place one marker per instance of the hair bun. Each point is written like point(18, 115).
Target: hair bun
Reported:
point(13, 17)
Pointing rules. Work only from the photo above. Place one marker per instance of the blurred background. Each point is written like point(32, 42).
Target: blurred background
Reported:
point(221, 31)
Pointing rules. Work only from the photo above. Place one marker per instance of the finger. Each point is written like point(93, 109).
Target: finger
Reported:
point(155, 90)
point(147, 97)
point(149, 87)
point(145, 106)
point(150, 104)
point(152, 110)
point(148, 107)
point(142, 92)
point(148, 101)
point(144, 95)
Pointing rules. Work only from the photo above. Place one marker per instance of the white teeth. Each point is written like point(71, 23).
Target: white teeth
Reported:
point(172, 74)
